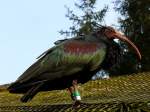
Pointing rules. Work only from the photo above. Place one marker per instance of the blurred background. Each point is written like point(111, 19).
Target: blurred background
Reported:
point(29, 27)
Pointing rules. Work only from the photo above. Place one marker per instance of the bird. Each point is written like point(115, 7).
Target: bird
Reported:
point(71, 61)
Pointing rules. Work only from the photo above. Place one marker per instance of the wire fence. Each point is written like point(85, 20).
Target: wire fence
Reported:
point(119, 94)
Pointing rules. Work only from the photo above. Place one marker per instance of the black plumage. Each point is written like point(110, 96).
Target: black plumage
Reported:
point(76, 58)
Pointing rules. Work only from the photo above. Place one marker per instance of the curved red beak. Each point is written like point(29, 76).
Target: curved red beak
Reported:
point(119, 36)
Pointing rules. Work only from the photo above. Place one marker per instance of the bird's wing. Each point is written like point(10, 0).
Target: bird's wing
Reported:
point(60, 42)
point(64, 60)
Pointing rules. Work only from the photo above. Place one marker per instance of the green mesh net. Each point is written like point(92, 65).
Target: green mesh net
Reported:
point(117, 94)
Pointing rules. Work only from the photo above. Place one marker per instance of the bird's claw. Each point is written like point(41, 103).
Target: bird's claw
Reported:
point(76, 104)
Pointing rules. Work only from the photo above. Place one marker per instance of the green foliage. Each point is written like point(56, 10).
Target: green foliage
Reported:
point(87, 21)
point(135, 23)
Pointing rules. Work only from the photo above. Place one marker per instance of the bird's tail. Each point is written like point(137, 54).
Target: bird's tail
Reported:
point(27, 79)
point(31, 93)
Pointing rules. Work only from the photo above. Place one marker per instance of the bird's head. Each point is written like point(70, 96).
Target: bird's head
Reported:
point(110, 33)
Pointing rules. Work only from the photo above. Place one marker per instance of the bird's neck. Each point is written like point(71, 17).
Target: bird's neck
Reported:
point(112, 58)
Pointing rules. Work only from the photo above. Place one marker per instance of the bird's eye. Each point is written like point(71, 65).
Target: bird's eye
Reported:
point(110, 29)
point(106, 31)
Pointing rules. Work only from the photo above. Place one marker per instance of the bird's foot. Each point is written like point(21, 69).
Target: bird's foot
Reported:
point(76, 104)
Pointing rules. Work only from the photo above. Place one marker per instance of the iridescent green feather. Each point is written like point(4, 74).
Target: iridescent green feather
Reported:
point(73, 62)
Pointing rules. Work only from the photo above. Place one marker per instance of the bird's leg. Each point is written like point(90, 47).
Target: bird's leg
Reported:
point(71, 91)
point(76, 95)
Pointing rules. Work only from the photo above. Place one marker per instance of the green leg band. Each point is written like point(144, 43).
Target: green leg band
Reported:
point(76, 93)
